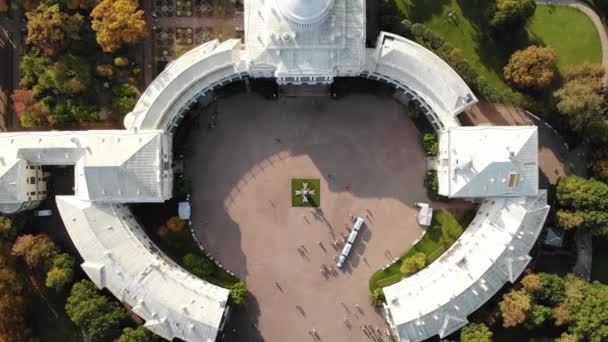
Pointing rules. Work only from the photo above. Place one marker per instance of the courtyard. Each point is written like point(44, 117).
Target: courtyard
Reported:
point(366, 153)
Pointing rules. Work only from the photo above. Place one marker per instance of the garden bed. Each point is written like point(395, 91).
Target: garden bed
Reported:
point(444, 230)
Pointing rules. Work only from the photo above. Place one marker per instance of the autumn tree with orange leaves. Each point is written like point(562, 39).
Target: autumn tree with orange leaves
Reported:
point(118, 22)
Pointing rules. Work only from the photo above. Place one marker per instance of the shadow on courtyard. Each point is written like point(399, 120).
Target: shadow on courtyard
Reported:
point(353, 150)
point(268, 137)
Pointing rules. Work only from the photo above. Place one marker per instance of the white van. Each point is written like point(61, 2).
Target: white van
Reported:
point(43, 213)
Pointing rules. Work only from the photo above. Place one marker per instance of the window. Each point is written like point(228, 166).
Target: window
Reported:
point(33, 193)
point(32, 180)
point(513, 179)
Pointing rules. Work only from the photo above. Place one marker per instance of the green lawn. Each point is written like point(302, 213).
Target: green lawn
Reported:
point(566, 29)
point(442, 233)
point(569, 31)
point(313, 184)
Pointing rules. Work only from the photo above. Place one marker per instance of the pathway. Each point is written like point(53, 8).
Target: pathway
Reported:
point(595, 18)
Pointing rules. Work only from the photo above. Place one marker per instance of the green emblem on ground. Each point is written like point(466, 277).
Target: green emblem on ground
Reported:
point(305, 192)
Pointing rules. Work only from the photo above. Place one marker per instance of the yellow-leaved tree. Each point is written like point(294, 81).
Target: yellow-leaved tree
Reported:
point(118, 22)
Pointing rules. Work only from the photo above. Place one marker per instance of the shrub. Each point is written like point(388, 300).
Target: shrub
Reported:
point(104, 70)
point(431, 182)
point(175, 224)
point(124, 98)
point(430, 143)
point(378, 297)
point(509, 14)
point(8, 230)
point(121, 61)
point(198, 265)
point(238, 293)
point(473, 332)
point(413, 264)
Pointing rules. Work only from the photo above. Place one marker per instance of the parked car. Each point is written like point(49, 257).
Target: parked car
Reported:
point(43, 213)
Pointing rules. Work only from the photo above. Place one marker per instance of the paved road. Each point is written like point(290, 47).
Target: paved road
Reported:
point(597, 22)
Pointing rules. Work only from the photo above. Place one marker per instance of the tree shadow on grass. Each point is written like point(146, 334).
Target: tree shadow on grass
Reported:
point(422, 10)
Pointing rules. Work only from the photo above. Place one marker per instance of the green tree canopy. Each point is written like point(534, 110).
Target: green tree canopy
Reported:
point(198, 265)
point(98, 316)
point(8, 229)
point(61, 272)
point(31, 66)
point(413, 264)
point(476, 332)
point(238, 293)
point(583, 203)
point(582, 101)
point(139, 334)
point(508, 14)
point(590, 314)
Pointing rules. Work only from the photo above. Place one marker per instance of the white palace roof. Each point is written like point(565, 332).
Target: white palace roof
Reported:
point(488, 161)
point(420, 72)
point(119, 256)
point(110, 166)
point(491, 251)
point(298, 38)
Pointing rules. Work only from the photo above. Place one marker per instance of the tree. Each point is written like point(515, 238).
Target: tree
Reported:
point(23, 101)
point(61, 272)
point(531, 283)
point(139, 334)
point(514, 308)
point(175, 224)
point(36, 250)
point(561, 314)
point(238, 293)
point(70, 75)
point(30, 112)
point(537, 316)
point(600, 169)
point(99, 317)
point(569, 220)
point(581, 99)
point(13, 327)
point(512, 13)
point(552, 291)
point(581, 194)
point(378, 297)
point(413, 264)
point(31, 66)
point(118, 22)
point(124, 98)
point(50, 29)
point(430, 143)
point(8, 230)
point(199, 266)
point(531, 68)
point(565, 337)
point(474, 332)
point(584, 203)
point(589, 318)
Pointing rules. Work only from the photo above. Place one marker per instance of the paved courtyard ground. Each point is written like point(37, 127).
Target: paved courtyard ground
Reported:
point(366, 153)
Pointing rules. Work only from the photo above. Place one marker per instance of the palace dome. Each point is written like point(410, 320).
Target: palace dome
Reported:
point(305, 12)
